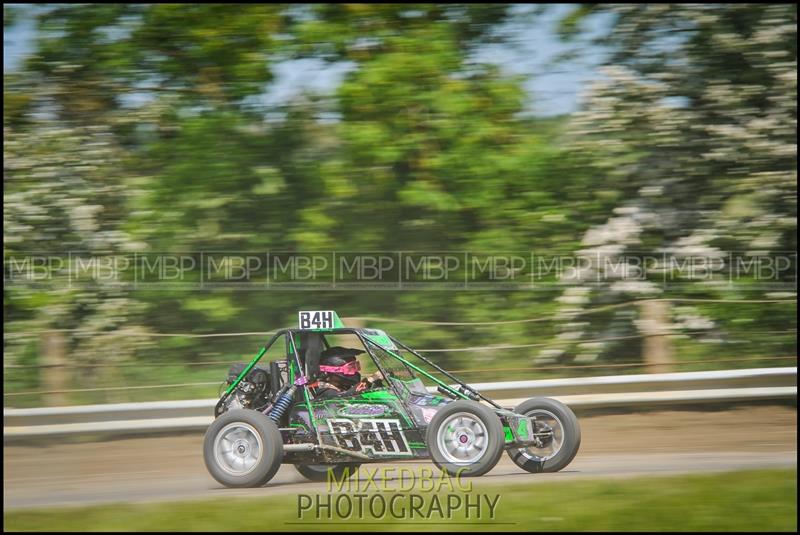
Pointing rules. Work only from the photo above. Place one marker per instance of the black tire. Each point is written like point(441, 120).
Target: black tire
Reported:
point(319, 472)
point(476, 415)
point(571, 437)
point(256, 430)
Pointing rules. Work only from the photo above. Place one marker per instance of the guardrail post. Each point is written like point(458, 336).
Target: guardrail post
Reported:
point(658, 354)
point(53, 357)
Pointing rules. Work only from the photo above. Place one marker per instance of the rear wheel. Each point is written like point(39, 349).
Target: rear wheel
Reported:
point(243, 448)
point(465, 438)
point(319, 472)
point(558, 432)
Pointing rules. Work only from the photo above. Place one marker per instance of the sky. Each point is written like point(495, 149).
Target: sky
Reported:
point(554, 89)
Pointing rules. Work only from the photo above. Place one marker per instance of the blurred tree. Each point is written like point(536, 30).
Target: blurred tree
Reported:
point(203, 54)
point(205, 170)
point(693, 130)
point(10, 16)
point(63, 203)
point(199, 168)
point(689, 142)
point(433, 154)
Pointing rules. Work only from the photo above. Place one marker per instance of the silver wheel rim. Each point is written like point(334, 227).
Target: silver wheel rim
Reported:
point(462, 439)
point(238, 448)
point(553, 446)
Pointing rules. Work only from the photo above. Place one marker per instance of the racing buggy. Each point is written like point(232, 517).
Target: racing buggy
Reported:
point(284, 413)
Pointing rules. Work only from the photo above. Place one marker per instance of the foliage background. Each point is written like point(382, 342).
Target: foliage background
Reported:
point(139, 129)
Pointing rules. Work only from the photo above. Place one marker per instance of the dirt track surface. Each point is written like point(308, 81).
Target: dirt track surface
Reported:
point(171, 468)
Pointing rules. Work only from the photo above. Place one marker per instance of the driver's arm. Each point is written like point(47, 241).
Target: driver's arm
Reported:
point(369, 381)
point(327, 391)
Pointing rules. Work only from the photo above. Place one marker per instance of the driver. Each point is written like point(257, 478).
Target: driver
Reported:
point(340, 375)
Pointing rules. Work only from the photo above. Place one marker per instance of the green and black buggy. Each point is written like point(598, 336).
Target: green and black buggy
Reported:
point(272, 415)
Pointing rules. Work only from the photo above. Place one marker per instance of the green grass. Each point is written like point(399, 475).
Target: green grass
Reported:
point(763, 500)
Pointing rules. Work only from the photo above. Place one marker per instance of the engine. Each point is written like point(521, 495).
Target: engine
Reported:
point(253, 392)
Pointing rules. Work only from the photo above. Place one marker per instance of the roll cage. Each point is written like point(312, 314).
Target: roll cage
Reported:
point(303, 347)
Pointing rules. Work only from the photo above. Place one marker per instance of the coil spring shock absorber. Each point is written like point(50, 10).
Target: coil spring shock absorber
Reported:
point(285, 400)
point(283, 403)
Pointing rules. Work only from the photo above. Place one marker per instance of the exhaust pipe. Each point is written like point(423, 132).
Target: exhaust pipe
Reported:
point(299, 447)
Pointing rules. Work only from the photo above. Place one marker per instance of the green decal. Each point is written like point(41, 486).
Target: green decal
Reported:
point(522, 429)
point(380, 338)
point(509, 435)
point(378, 394)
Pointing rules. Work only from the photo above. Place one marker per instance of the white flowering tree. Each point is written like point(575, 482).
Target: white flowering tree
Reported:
point(693, 127)
point(64, 200)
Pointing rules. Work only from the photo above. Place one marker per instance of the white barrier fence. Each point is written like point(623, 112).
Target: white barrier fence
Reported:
point(630, 391)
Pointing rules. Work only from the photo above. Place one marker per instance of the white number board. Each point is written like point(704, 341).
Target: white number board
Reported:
point(315, 319)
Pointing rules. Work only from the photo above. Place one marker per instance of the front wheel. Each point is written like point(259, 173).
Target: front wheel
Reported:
point(465, 438)
point(319, 472)
point(558, 432)
point(243, 448)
